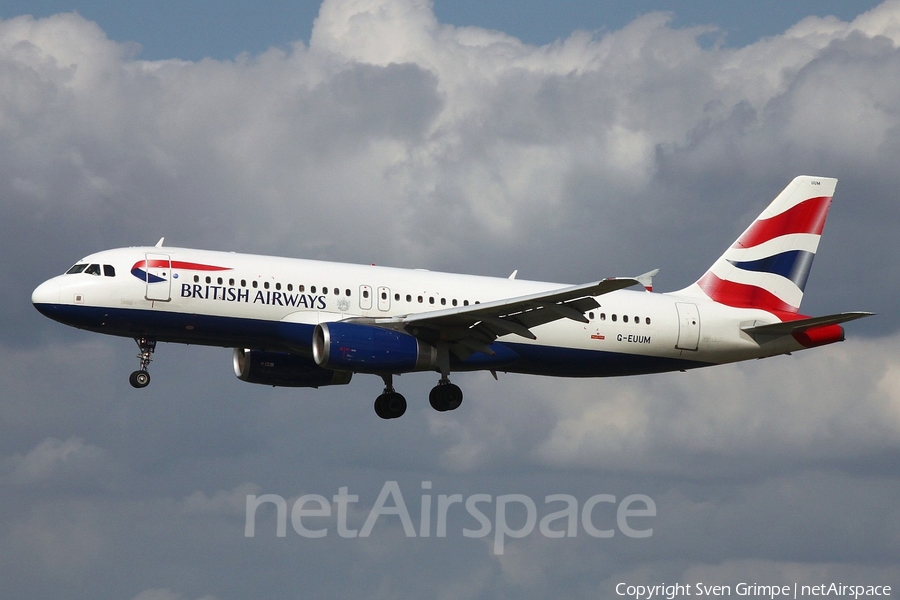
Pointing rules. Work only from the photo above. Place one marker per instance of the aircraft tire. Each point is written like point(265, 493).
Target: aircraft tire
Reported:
point(445, 397)
point(390, 405)
point(139, 379)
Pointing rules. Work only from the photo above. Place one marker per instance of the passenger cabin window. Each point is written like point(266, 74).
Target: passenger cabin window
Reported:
point(109, 271)
point(79, 268)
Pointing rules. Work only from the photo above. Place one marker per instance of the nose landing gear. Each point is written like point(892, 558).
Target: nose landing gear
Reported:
point(141, 378)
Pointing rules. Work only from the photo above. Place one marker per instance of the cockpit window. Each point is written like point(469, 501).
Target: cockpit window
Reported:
point(76, 269)
point(109, 271)
point(93, 270)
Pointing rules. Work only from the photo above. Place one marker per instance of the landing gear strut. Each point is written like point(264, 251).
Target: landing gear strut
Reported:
point(141, 378)
point(390, 404)
point(445, 396)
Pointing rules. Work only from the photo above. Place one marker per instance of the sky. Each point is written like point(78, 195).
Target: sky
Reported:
point(569, 144)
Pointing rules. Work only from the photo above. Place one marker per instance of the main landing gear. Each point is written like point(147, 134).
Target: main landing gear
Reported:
point(391, 404)
point(141, 378)
point(445, 396)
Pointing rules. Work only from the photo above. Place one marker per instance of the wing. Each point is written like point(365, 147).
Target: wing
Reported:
point(469, 329)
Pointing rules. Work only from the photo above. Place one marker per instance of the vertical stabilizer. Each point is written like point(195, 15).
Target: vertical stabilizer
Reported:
point(768, 265)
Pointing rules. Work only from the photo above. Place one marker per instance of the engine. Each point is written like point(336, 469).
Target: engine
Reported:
point(284, 369)
point(369, 349)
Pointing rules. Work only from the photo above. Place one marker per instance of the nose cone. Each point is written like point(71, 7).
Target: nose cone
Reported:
point(45, 294)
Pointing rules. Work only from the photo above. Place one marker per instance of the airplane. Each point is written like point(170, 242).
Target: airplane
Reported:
point(305, 323)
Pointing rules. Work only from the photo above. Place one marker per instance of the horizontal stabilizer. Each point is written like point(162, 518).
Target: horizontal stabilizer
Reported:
point(801, 325)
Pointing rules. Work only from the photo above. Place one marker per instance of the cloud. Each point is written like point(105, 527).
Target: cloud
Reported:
point(222, 502)
point(53, 459)
point(165, 594)
point(832, 404)
point(394, 138)
point(456, 138)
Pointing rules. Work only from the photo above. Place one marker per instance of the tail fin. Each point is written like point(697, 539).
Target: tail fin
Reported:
point(768, 265)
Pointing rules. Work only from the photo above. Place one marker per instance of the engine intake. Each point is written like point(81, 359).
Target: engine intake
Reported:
point(370, 349)
point(284, 369)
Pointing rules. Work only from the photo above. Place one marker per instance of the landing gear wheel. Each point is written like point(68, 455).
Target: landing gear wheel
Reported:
point(139, 379)
point(445, 396)
point(390, 405)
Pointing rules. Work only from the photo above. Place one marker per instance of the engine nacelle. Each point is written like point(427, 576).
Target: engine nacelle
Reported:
point(370, 349)
point(284, 369)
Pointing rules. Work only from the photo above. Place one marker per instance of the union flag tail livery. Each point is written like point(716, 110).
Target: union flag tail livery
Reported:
point(303, 323)
point(768, 265)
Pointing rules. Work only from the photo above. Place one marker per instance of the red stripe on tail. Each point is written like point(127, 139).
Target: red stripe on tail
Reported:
point(741, 295)
point(806, 217)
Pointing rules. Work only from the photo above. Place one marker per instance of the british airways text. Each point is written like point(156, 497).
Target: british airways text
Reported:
point(235, 294)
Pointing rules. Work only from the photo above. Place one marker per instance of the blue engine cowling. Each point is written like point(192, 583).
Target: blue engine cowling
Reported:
point(284, 369)
point(370, 349)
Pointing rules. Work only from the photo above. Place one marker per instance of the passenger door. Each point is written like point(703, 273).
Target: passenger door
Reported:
point(158, 277)
point(688, 326)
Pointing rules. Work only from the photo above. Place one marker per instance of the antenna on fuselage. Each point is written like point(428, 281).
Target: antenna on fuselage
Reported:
point(160, 242)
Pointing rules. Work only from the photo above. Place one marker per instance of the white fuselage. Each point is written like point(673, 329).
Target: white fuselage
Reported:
point(239, 300)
